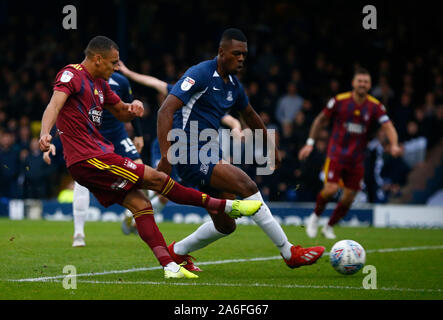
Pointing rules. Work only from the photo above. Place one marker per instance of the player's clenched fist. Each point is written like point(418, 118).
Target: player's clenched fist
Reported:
point(45, 142)
point(136, 108)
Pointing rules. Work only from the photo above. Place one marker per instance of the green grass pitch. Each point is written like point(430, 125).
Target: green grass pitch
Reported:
point(114, 266)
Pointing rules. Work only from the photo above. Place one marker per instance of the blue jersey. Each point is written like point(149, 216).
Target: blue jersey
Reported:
point(206, 97)
point(114, 130)
point(110, 126)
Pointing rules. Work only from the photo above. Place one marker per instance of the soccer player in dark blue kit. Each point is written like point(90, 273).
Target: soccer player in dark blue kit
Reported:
point(114, 131)
point(158, 202)
point(200, 99)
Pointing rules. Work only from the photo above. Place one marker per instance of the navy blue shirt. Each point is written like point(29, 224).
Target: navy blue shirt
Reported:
point(206, 97)
point(110, 125)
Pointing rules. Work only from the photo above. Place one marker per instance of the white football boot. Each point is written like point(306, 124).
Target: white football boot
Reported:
point(79, 240)
point(328, 232)
point(312, 225)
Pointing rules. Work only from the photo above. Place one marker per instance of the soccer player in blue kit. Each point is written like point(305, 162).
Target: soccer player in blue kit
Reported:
point(114, 131)
point(158, 202)
point(205, 93)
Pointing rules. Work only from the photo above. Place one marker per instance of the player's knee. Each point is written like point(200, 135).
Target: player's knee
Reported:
point(227, 227)
point(329, 191)
point(247, 188)
point(347, 199)
point(153, 179)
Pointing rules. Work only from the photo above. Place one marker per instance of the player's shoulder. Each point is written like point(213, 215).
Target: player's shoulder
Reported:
point(119, 79)
point(373, 99)
point(204, 69)
point(343, 96)
point(70, 71)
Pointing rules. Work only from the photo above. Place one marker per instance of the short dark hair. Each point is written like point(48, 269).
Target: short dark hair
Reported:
point(361, 70)
point(100, 44)
point(233, 34)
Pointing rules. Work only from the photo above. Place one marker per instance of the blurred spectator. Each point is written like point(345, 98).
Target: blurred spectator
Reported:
point(383, 92)
point(288, 105)
point(9, 166)
point(310, 58)
point(36, 172)
point(414, 148)
point(401, 115)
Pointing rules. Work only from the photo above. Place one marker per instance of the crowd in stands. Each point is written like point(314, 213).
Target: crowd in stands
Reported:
point(297, 60)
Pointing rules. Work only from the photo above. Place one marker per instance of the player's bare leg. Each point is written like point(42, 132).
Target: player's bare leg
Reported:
point(323, 197)
point(339, 212)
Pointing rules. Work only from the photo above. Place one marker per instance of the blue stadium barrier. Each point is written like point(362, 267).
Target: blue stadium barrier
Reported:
point(287, 213)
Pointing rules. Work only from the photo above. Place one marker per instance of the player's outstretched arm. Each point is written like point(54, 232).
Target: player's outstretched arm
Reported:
point(392, 135)
point(56, 103)
point(126, 112)
point(165, 117)
point(145, 80)
point(319, 123)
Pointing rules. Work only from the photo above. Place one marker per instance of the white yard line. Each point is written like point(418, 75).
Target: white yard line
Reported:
point(43, 279)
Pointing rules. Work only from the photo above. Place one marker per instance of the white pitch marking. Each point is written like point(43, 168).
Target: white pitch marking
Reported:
point(288, 286)
point(43, 279)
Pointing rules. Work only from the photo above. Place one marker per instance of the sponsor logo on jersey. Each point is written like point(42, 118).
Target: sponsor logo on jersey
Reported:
point(187, 84)
point(96, 116)
point(229, 97)
point(66, 76)
point(354, 127)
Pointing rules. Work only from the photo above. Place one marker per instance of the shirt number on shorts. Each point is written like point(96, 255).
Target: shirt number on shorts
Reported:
point(129, 146)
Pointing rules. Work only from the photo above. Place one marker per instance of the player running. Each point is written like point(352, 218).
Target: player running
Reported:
point(159, 202)
point(114, 131)
point(203, 95)
point(76, 107)
point(352, 114)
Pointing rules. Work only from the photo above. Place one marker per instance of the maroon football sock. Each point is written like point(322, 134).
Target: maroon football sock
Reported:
point(339, 212)
point(320, 204)
point(183, 195)
point(149, 232)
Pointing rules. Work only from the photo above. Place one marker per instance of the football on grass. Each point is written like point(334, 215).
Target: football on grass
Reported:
point(347, 257)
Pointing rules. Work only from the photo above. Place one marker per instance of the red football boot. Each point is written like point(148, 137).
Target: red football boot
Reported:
point(303, 256)
point(183, 260)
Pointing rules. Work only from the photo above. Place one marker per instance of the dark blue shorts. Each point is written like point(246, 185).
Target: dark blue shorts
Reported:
point(198, 174)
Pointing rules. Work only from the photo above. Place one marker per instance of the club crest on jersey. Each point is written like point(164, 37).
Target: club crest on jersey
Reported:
point(229, 97)
point(130, 165)
point(187, 84)
point(99, 93)
point(96, 115)
point(66, 76)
